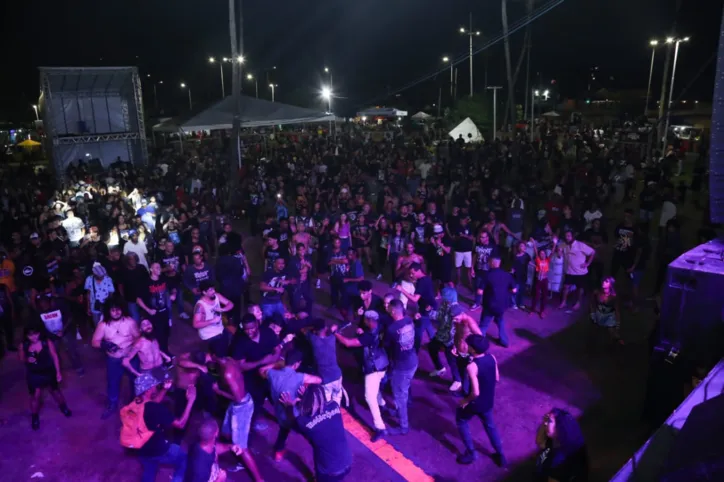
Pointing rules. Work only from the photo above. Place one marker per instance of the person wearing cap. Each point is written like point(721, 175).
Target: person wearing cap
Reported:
point(374, 365)
point(484, 375)
point(283, 376)
point(444, 339)
point(98, 287)
point(441, 262)
point(135, 246)
point(158, 450)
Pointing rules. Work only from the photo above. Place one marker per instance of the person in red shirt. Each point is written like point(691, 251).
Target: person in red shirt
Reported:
point(540, 281)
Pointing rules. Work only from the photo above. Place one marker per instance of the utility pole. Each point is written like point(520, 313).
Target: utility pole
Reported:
point(495, 109)
point(664, 82)
point(470, 33)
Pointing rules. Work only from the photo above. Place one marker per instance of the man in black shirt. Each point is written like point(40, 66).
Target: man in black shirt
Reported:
point(133, 278)
point(400, 340)
point(172, 265)
point(626, 251)
point(158, 418)
point(499, 285)
point(484, 375)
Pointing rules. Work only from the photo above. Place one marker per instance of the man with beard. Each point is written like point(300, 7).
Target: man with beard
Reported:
point(207, 318)
point(578, 257)
point(172, 265)
point(156, 298)
point(150, 356)
point(115, 334)
point(197, 273)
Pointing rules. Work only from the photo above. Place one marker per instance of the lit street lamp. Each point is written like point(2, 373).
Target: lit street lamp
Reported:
point(678, 41)
point(155, 93)
point(327, 71)
point(536, 93)
point(273, 87)
point(445, 60)
point(256, 83)
point(221, 72)
point(35, 108)
point(653, 45)
point(184, 86)
point(470, 33)
point(327, 95)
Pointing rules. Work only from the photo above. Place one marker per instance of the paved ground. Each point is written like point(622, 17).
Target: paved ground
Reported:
point(549, 364)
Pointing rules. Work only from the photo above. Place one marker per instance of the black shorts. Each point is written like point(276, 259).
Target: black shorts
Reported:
point(41, 380)
point(578, 280)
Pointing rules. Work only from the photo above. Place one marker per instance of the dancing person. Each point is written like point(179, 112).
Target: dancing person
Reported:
point(540, 282)
point(605, 311)
point(42, 371)
point(484, 375)
point(400, 339)
point(60, 328)
point(150, 355)
point(578, 257)
point(444, 339)
point(484, 249)
point(115, 334)
point(498, 286)
point(207, 318)
point(374, 366)
point(324, 350)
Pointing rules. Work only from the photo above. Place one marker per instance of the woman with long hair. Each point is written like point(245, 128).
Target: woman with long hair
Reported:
point(563, 456)
point(605, 311)
point(42, 370)
point(343, 230)
point(320, 422)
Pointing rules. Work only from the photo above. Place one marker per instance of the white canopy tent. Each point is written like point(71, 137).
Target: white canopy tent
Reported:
point(551, 113)
point(421, 116)
point(254, 113)
point(382, 112)
point(468, 130)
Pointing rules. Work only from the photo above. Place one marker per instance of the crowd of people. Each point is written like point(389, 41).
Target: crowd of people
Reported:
point(418, 243)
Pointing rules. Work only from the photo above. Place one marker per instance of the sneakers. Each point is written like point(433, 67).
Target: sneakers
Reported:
point(438, 373)
point(279, 455)
point(455, 386)
point(466, 458)
point(110, 410)
point(515, 307)
point(377, 435)
point(379, 277)
point(500, 460)
point(184, 316)
point(475, 307)
point(77, 335)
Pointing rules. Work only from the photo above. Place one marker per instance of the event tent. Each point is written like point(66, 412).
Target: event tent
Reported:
point(467, 127)
point(382, 112)
point(551, 113)
point(29, 144)
point(254, 113)
point(421, 116)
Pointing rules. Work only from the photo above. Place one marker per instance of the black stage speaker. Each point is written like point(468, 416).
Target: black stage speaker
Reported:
point(716, 153)
point(692, 304)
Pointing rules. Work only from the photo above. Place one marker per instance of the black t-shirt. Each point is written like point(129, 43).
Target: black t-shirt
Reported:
point(496, 292)
point(570, 224)
point(552, 463)
point(244, 348)
point(170, 262)
point(400, 340)
point(157, 418)
point(595, 237)
point(156, 293)
point(463, 245)
point(199, 464)
point(133, 282)
point(625, 241)
point(484, 253)
point(520, 265)
point(271, 255)
point(274, 280)
point(425, 288)
point(325, 432)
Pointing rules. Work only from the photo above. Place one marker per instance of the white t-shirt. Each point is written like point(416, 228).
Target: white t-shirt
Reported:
point(668, 212)
point(410, 288)
point(576, 254)
point(138, 248)
point(589, 216)
point(211, 312)
point(74, 227)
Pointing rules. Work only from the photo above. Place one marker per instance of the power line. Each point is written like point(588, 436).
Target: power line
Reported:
point(463, 57)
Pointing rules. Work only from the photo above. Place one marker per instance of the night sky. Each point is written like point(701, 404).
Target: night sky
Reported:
point(373, 47)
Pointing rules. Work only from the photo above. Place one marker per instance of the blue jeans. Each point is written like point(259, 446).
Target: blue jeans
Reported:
point(423, 325)
point(516, 298)
point(114, 375)
point(269, 309)
point(486, 318)
point(174, 456)
point(401, 381)
point(134, 311)
point(463, 417)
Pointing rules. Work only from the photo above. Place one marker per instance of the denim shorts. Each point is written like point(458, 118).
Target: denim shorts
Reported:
point(237, 421)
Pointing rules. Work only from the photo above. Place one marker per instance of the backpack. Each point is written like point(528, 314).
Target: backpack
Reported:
point(134, 433)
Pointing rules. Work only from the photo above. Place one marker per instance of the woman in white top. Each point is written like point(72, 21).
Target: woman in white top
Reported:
point(208, 321)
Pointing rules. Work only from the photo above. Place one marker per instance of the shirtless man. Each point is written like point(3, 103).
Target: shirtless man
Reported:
point(407, 258)
point(148, 351)
point(493, 226)
point(464, 326)
point(301, 237)
point(237, 421)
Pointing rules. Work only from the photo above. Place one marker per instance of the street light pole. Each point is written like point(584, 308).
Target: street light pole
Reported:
point(671, 91)
point(470, 35)
point(331, 85)
point(35, 108)
point(272, 89)
point(256, 83)
point(446, 60)
point(495, 109)
point(653, 45)
point(184, 86)
point(155, 93)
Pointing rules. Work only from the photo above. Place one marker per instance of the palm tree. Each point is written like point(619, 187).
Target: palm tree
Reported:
point(508, 66)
